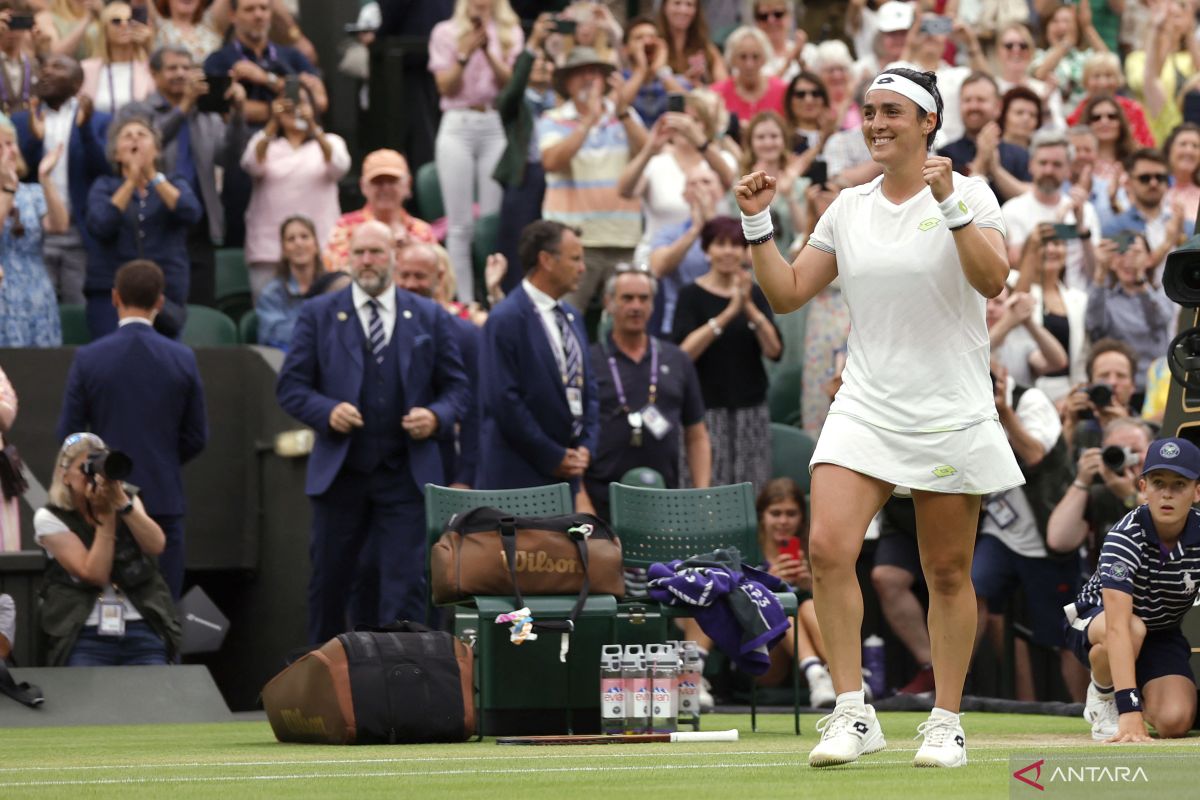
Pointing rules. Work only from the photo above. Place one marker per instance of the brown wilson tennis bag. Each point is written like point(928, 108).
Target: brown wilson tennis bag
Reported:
point(403, 684)
point(486, 551)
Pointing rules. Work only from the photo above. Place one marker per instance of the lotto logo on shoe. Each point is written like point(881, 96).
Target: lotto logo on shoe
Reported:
point(958, 740)
point(861, 727)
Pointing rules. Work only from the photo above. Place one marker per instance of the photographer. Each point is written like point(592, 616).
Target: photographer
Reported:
point(1011, 550)
point(1107, 394)
point(99, 537)
point(1104, 489)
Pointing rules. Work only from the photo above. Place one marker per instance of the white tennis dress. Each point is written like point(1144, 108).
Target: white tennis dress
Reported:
point(915, 407)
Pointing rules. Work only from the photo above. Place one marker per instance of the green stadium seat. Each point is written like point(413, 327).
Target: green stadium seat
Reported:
point(791, 450)
point(248, 327)
point(659, 525)
point(232, 288)
point(429, 193)
point(73, 319)
point(783, 395)
point(207, 327)
point(515, 679)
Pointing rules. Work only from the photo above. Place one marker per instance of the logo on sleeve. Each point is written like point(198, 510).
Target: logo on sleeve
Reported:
point(1119, 572)
point(1169, 450)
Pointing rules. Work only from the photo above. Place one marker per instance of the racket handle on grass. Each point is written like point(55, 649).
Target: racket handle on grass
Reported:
point(705, 736)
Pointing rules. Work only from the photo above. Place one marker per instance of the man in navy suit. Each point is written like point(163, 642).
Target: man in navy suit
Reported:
point(376, 372)
point(60, 115)
point(418, 271)
point(141, 393)
point(539, 411)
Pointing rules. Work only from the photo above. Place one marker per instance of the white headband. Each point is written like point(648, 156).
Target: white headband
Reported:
point(909, 88)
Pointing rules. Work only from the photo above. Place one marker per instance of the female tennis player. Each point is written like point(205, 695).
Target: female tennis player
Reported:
point(918, 250)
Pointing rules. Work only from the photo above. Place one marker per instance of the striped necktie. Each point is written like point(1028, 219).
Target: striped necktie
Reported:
point(375, 331)
point(572, 360)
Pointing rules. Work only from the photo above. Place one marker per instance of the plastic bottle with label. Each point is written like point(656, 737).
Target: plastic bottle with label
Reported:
point(637, 689)
point(612, 690)
point(873, 662)
point(689, 683)
point(663, 664)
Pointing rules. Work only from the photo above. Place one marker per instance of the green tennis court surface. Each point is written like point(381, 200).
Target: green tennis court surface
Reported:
point(242, 759)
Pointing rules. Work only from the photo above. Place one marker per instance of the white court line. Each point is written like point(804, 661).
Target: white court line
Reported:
point(410, 760)
point(390, 774)
point(602, 752)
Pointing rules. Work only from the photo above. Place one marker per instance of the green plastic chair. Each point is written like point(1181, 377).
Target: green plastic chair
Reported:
point(232, 284)
point(483, 244)
point(248, 327)
point(783, 395)
point(73, 319)
point(791, 450)
point(429, 193)
point(659, 525)
point(207, 327)
point(496, 679)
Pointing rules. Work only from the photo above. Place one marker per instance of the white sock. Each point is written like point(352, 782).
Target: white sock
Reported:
point(811, 661)
point(1104, 690)
point(941, 713)
point(851, 699)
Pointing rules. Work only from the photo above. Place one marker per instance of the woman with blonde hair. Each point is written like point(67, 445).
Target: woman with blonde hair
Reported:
point(104, 600)
point(73, 27)
point(119, 72)
point(471, 57)
point(767, 146)
point(28, 211)
point(1014, 54)
point(1102, 76)
point(749, 89)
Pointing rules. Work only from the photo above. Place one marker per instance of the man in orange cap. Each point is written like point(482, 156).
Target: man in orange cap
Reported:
point(386, 183)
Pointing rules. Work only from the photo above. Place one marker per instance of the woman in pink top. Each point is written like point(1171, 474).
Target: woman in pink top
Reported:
point(749, 90)
point(471, 56)
point(295, 166)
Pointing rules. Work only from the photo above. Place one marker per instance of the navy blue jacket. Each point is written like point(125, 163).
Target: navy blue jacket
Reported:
point(324, 367)
point(86, 160)
point(525, 423)
point(143, 230)
point(460, 464)
point(141, 393)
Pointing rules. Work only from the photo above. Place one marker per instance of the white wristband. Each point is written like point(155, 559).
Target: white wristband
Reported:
point(758, 225)
point(955, 210)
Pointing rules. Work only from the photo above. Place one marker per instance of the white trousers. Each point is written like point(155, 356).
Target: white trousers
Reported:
point(468, 147)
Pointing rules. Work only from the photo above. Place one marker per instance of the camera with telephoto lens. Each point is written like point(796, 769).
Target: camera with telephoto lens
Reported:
point(1117, 459)
point(1101, 395)
point(113, 465)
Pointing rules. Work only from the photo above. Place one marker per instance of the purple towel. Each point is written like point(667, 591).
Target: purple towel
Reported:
point(734, 604)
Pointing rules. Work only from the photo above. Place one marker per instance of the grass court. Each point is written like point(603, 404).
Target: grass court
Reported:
point(242, 759)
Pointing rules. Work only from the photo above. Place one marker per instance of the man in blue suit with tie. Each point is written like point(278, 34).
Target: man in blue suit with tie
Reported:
point(376, 372)
point(141, 393)
point(539, 411)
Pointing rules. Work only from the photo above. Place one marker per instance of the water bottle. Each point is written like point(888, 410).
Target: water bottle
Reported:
point(612, 690)
point(689, 683)
point(873, 662)
point(664, 687)
point(637, 689)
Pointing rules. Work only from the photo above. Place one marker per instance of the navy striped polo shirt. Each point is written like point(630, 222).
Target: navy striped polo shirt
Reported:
point(1132, 560)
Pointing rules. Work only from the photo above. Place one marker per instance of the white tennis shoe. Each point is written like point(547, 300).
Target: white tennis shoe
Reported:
point(945, 744)
point(1101, 711)
point(846, 734)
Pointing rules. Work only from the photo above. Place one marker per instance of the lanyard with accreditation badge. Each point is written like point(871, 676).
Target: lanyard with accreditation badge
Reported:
point(650, 416)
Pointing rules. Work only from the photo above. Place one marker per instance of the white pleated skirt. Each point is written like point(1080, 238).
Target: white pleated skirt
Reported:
point(973, 460)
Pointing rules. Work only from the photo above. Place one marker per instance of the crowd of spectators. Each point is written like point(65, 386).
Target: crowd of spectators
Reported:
point(607, 143)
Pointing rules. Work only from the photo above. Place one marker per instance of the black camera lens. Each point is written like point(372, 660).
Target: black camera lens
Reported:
point(1100, 394)
point(112, 464)
point(1114, 458)
point(1181, 278)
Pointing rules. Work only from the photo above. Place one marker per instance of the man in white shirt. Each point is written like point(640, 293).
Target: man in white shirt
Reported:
point(1049, 166)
